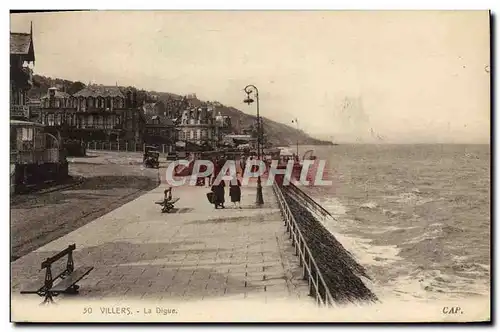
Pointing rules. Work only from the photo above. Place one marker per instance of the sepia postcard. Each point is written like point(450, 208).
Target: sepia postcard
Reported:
point(250, 166)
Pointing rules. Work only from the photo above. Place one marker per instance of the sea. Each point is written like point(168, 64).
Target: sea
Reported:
point(417, 217)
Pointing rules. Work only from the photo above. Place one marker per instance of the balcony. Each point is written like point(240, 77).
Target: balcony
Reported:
point(99, 126)
point(100, 110)
point(19, 111)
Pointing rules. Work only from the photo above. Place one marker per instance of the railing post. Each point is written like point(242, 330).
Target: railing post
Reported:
point(317, 284)
point(311, 282)
point(126, 146)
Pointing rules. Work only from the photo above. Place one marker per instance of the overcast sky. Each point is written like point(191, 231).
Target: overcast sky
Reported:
point(401, 77)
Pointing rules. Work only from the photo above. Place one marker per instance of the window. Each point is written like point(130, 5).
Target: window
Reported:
point(27, 134)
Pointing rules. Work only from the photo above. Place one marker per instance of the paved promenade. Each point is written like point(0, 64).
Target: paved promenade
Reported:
point(193, 253)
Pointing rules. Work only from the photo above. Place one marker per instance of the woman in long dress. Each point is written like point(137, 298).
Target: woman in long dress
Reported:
point(235, 193)
point(218, 190)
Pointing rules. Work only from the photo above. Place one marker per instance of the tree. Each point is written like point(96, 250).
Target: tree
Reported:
point(74, 87)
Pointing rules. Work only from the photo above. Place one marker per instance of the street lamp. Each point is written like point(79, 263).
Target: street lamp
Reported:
point(249, 89)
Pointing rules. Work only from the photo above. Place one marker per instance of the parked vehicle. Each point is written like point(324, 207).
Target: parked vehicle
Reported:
point(151, 157)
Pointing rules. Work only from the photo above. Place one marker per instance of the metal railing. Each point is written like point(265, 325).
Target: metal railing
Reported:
point(310, 203)
point(317, 286)
point(125, 146)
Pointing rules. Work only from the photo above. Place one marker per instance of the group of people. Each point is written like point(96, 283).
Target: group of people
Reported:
point(218, 189)
point(219, 194)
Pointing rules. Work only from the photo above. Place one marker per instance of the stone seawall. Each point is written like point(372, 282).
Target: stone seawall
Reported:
point(341, 272)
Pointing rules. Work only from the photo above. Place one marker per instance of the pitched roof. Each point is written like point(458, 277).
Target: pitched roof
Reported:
point(99, 91)
point(20, 43)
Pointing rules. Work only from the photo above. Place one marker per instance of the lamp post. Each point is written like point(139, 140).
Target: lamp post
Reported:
point(249, 89)
point(296, 121)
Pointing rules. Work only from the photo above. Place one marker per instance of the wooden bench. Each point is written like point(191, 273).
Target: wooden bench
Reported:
point(174, 200)
point(170, 204)
point(67, 279)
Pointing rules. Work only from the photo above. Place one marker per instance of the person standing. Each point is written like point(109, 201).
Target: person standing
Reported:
point(218, 190)
point(235, 192)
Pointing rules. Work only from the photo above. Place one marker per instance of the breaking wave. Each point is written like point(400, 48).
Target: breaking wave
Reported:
point(369, 205)
point(401, 277)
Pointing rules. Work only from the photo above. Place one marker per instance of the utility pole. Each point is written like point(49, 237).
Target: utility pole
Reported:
point(296, 121)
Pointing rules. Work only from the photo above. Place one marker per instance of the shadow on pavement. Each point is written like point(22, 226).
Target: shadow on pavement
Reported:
point(116, 272)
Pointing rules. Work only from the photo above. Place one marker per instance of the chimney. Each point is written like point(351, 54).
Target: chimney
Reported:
point(52, 94)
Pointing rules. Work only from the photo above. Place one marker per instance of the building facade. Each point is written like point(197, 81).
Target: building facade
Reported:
point(95, 113)
point(22, 55)
point(222, 127)
point(197, 125)
point(194, 121)
point(160, 131)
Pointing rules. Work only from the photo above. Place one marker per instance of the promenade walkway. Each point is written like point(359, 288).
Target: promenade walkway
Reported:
point(193, 253)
